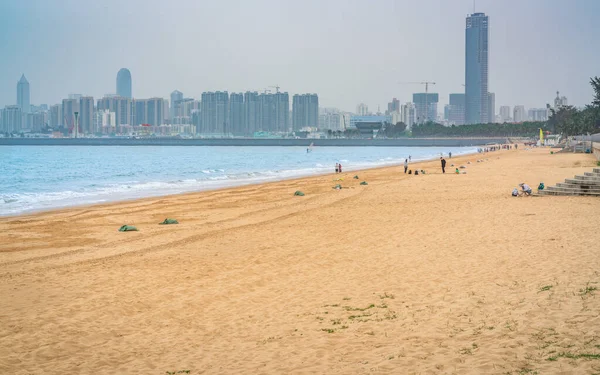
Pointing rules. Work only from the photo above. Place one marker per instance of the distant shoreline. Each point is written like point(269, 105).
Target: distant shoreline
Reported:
point(399, 142)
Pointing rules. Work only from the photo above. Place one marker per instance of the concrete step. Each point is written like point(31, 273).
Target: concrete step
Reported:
point(592, 174)
point(577, 186)
point(581, 182)
point(596, 170)
point(567, 193)
point(586, 179)
point(572, 190)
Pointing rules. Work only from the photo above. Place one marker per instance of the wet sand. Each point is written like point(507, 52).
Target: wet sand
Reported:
point(431, 274)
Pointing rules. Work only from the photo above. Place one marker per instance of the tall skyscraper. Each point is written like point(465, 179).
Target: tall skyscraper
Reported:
point(23, 100)
point(519, 113)
point(426, 106)
point(251, 112)
point(69, 107)
point(505, 114)
point(86, 115)
point(236, 114)
point(408, 114)
point(456, 109)
point(491, 107)
point(139, 112)
point(154, 111)
point(176, 97)
point(215, 113)
point(120, 106)
point(476, 69)
point(362, 109)
point(393, 106)
point(124, 83)
point(305, 111)
point(55, 116)
point(12, 119)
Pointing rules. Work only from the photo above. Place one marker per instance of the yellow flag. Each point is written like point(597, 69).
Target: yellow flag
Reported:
point(541, 137)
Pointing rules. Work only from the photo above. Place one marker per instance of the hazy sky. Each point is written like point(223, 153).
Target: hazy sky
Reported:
point(346, 51)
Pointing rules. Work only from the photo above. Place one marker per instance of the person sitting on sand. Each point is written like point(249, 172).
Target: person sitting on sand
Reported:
point(457, 171)
point(515, 192)
point(526, 189)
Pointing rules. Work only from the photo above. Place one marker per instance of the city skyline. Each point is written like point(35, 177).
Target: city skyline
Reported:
point(325, 58)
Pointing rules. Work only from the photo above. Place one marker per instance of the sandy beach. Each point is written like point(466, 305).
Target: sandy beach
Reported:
point(428, 274)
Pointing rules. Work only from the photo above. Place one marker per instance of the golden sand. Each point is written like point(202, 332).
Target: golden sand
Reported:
point(428, 274)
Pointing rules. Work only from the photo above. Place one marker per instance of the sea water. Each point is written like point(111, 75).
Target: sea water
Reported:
point(34, 178)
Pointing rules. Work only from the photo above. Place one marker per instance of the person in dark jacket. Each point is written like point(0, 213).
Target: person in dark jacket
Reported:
point(443, 164)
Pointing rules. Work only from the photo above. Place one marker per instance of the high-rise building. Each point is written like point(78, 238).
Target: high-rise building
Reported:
point(408, 114)
point(456, 109)
point(154, 111)
point(139, 112)
point(176, 97)
point(538, 114)
point(273, 112)
point(505, 114)
point(86, 115)
point(362, 109)
point(560, 101)
point(519, 113)
point(393, 106)
point(55, 117)
point(104, 122)
point(215, 113)
point(236, 114)
point(23, 99)
point(12, 119)
point(330, 119)
point(35, 121)
point(251, 112)
point(426, 106)
point(120, 106)
point(476, 69)
point(69, 107)
point(305, 111)
point(124, 83)
point(491, 107)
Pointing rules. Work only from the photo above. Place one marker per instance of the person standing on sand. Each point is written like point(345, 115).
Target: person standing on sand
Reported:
point(443, 164)
point(449, 155)
point(337, 168)
point(409, 158)
point(405, 165)
point(340, 167)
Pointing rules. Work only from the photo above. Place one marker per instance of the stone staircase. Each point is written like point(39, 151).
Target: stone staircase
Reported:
point(588, 184)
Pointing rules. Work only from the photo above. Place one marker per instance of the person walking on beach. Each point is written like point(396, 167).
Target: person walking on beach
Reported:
point(405, 165)
point(449, 155)
point(337, 168)
point(443, 164)
point(409, 157)
point(340, 167)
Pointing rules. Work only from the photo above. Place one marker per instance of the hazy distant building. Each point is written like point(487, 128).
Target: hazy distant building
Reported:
point(236, 114)
point(393, 106)
point(55, 116)
point(77, 96)
point(560, 101)
point(273, 112)
point(491, 107)
point(519, 114)
point(426, 105)
point(537, 114)
point(505, 114)
point(176, 97)
point(69, 107)
point(86, 115)
point(124, 83)
point(456, 109)
point(330, 119)
point(120, 106)
point(476, 69)
point(251, 112)
point(305, 111)
point(408, 114)
point(35, 121)
point(104, 122)
point(215, 113)
point(23, 99)
point(362, 109)
point(12, 119)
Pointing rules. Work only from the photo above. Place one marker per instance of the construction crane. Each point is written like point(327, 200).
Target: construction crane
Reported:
point(276, 87)
point(426, 83)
